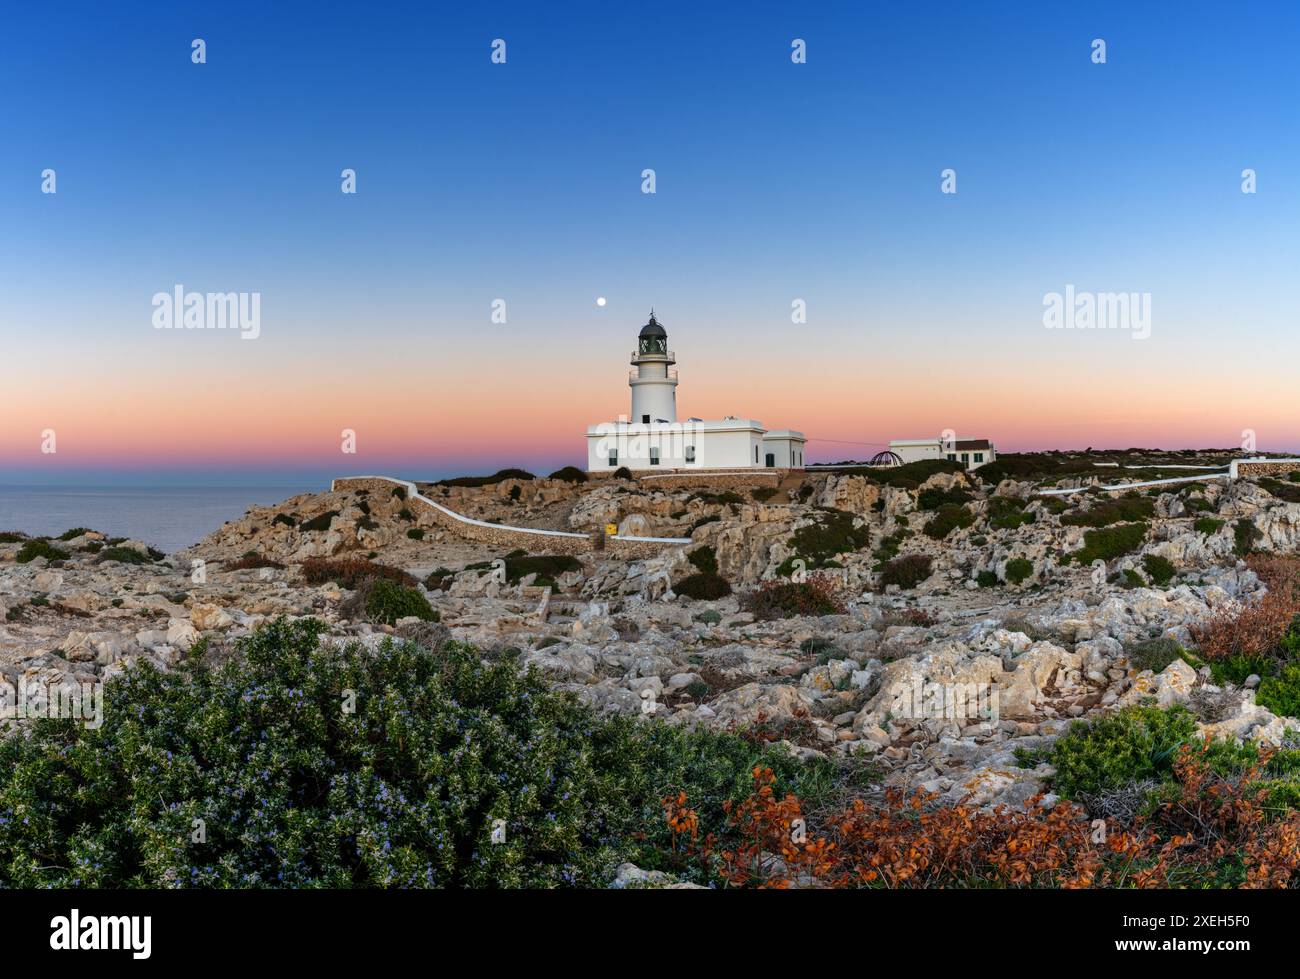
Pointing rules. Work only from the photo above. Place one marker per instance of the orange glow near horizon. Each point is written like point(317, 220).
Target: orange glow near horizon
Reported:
point(261, 416)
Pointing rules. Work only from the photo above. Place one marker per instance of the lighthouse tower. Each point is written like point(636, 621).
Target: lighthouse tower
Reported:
point(653, 382)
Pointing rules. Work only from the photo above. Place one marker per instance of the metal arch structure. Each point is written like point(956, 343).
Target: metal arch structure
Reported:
point(886, 458)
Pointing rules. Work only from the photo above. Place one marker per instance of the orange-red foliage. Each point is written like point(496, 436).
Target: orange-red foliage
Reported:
point(1256, 629)
point(913, 844)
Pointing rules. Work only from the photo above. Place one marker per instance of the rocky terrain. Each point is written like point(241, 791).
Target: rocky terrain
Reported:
point(1021, 611)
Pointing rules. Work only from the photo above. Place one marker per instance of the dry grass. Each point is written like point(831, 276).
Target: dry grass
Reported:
point(350, 572)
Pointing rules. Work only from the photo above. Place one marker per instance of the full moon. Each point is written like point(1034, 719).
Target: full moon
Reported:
point(600, 301)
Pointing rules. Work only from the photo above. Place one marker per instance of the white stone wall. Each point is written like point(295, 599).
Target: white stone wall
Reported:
point(934, 450)
point(734, 448)
point(787, 452)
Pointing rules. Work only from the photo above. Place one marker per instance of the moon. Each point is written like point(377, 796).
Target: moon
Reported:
point(600, 300)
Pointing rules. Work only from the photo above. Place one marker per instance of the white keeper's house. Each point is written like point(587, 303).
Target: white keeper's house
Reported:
point(653, 439)
point(971, 453)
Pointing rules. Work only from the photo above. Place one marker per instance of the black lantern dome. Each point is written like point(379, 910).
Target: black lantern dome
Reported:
point(653, 337)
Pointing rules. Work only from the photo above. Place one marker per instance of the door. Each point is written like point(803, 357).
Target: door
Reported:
point(771, 461)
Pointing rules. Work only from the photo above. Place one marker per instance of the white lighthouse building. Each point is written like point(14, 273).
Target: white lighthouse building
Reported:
point(653, 381)
point(652, 439)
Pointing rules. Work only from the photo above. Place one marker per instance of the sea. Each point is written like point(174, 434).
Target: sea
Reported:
point(166, 518)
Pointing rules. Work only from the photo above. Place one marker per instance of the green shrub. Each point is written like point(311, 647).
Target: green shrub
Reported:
point(912, 474)
point(948, 518)
point(1237, 668)
point(40, 548)
point(932, 497)
point(1159, 570)
point(1281, 490)
point(497, 477)
point(1245, 536)
point(387, 601)
point(1281, 693)
point(704, 560)
point(12, 536)
point(416, 533)
point(701, 522)
point(1018, 569)
point(1110, 542)
point(402, 791)
point(1115, 750)
point(319, 523)
point(824, 649)
point(889, 546)
point(1207, 526)
point(703, 586)
point(987, 579)
point(622, 472)
point(725, 498)
point(547, 567)
point(72, 532)
point(570, 474)
point(832, 533)
point(1125, 509)
point(1289, 645)
point(439, 579)
point(399, 492)
point(763, 493)
point(1013, 466)
point(906, 572)
point(1008, 513)
point(1155, 654)
point(282, 519)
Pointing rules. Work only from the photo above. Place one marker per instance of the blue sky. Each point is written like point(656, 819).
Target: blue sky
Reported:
point(775, 181)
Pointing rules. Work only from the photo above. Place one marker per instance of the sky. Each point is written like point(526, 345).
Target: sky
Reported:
point(775, 182)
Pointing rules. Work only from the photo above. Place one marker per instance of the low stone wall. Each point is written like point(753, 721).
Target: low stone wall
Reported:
point(1263, 467)
point(503, 537)
point(683, 479)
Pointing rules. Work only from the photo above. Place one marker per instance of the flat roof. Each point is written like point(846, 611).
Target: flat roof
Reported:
point(706, 425)
point(961, 444)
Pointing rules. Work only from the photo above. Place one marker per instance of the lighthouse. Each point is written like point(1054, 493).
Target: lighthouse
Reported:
point(652, 379)
point(652, 441)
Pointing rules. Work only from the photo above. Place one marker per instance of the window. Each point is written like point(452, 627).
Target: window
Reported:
point(654, 457)
point(952, 456)
point(690, 453)
point(613, 457)
point(645, 419)
point(965, 458)
point(979, 456)
point(756, 455)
